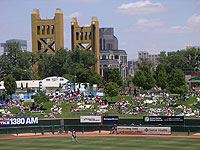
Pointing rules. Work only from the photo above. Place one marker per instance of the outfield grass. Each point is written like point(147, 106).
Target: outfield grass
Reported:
point(101, 143)
point(6, 135)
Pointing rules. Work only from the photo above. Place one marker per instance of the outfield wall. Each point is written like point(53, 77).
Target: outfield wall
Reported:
point(189, 125)
point(181, 128)
point(76, 121)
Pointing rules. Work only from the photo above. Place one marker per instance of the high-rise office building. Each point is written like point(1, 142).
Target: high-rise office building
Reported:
point(151, 57)
point(107, 39)
point(110, 55)
point(132, 66)
point(2, 48)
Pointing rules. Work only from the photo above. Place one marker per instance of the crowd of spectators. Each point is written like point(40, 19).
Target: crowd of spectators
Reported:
point(150, 104)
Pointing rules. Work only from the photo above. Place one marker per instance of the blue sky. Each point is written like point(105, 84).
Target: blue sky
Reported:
point(151, 25)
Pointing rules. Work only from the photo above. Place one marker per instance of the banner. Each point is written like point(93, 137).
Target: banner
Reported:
point(143, 130)
point(163, 119)
point(18, 121)
point(110, 119)
point(90, 119)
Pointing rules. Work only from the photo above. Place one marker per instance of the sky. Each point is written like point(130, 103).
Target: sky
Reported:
point(139, 25)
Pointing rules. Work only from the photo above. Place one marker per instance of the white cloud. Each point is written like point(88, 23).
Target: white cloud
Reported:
point(174, 30)
point(145, 25)
point(140, 7)
point(194, 21)
point(135, 28)
point(150, 22)
point(73, 15)
point(192, 25)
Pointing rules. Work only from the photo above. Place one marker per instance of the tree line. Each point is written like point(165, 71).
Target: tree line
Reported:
point(74, 65)
point(170, 73)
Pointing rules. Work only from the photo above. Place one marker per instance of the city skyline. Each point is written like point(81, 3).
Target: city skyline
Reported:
point(149, 25)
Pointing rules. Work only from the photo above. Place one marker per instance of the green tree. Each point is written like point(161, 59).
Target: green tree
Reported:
point(41, 97)
point(64, 62)
point(161, 77)
point(178, 78)
point(139, 78)
point(16, 62)
point(78, 59)
point(115, 76)
point(187, 60)
point(177, 81)
point(10, 84)
point(45, 65)
point(70, 77)
point(143, 63)
point(149, 80)
point(88, 76)
point(181, 90)
point(111, 89)
point(89, 59)
point(12, 52)
point(128, 81)
point(106, 73)
point(144, 78)
point(57, 62)
point(5, 66)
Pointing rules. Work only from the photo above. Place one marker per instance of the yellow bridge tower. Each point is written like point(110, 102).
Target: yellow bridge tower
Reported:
point(86, 38)
point(47, 34)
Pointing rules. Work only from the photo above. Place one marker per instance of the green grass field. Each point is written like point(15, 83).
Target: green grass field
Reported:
point(101, 143)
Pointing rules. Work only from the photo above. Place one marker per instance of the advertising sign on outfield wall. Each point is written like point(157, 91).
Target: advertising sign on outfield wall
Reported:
point(18, 121)
point(163, 119)
point(143, 130)
point(90, 119)
point(113, 119)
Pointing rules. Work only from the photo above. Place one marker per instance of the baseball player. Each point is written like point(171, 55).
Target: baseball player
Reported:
point(74, 135)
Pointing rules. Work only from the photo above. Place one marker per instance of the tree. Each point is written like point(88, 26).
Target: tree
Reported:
point(40, 97)
point(143, 63)
point(178, 78)
point(177, 81)
point(69, 77)
point(187, 60)
point(111, 89)
point(5, 66)
point(89, 59)
point(57, 62)
point(10, 84)
point(181, 89)
point(161, 76)
point(144, 78)
point(128, 81)
point(115, 76)
point(149, 80)
point(106, 73)
point(88, 76)
point(12, 52)
point(78, 59)
point(16, 62)
point(139, 78)
point(45, 65)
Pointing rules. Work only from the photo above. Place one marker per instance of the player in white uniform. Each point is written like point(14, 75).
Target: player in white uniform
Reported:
point(74, 135)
